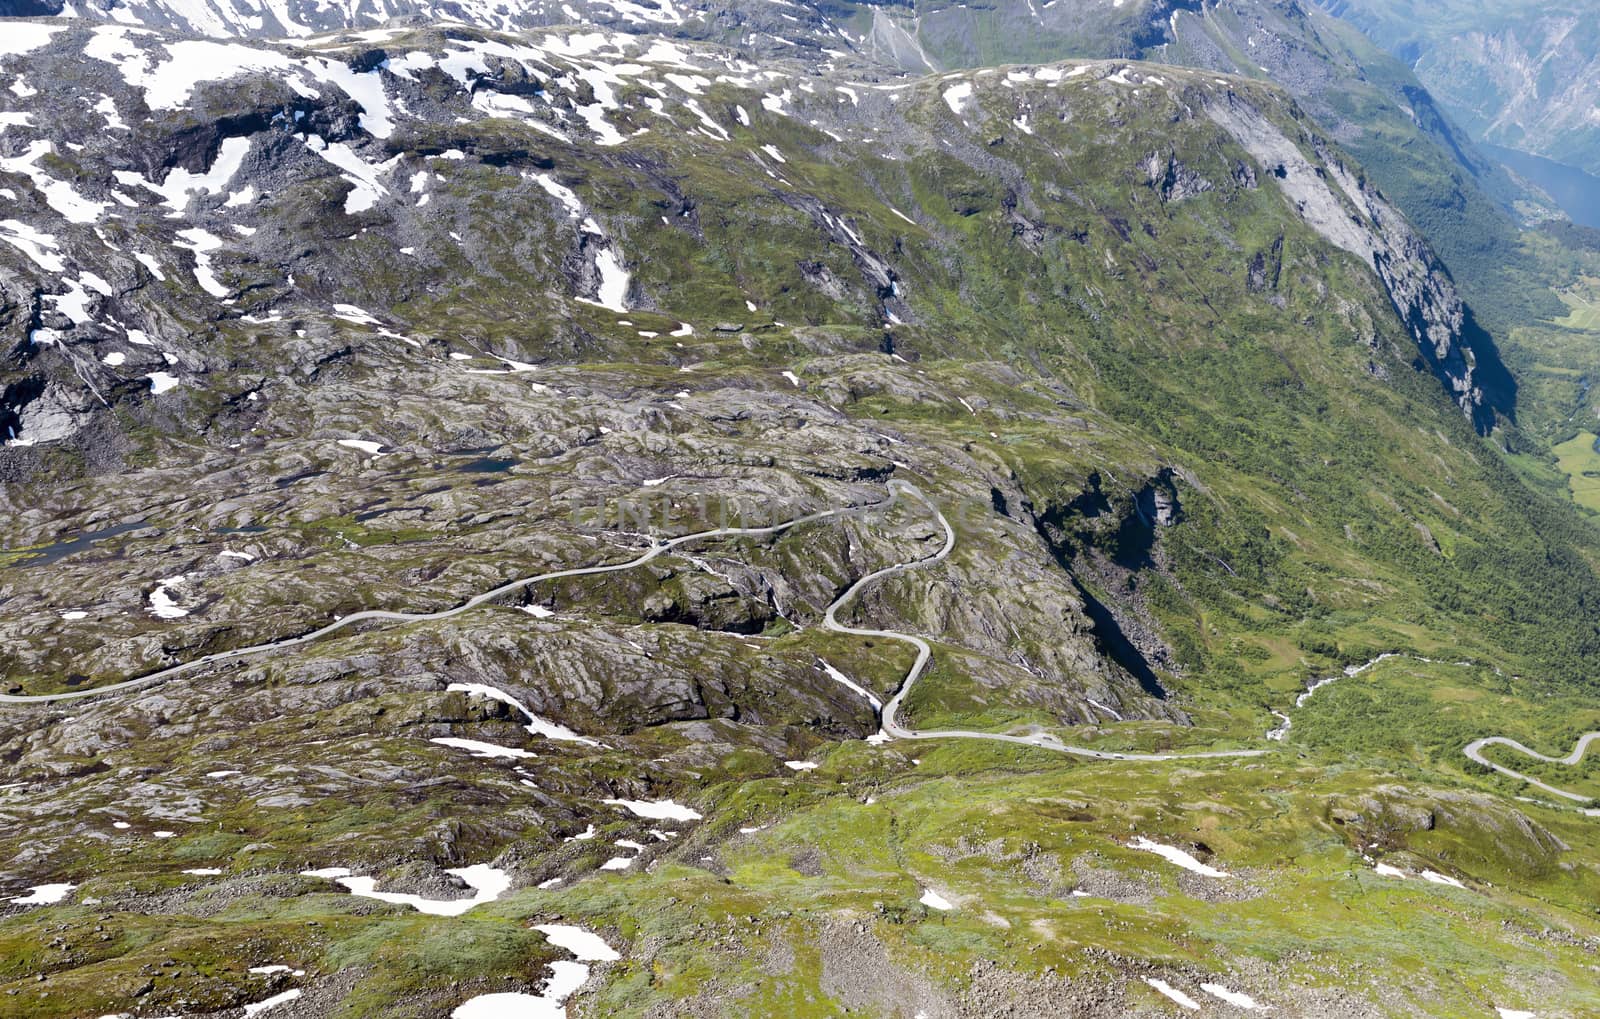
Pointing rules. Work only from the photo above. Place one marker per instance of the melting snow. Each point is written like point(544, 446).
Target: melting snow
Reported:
point(1176, 995)
point(565, 979)
point(365, 446)
point(365, 88)
point(40, 247)
point(488, 883)
point(587, 947)
point(617, 863)
point(272, 1002)
point(149, 262)
point(957, 96)
point(801, 765)
point(204, 871)
point(536, 725)
point(366, 190)
point(480, 749)
point(1386, 870)
point(1441, 879)
point(933, 900)
point(162, 606)
point(58, 194)
point(353, 313)
point(1177, 856)
point(327, 872)
point(560, 192)
point(180, 183)
point(613, 280)
point(25, 37)
point(168, 85)
point(202, 243)
point(657, 810)
point(1234, 998)
point(841, 678)
point(74, 615)
point(161, 382)
point(44, 895)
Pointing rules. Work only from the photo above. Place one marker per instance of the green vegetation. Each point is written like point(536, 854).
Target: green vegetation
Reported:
point(1581, 464)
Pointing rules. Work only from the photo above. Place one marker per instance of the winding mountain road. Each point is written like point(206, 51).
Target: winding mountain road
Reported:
point(890, 710)
point(381, 615)
point(1474, 751)
point(891, 723)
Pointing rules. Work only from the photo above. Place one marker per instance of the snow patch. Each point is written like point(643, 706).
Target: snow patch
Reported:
point(24, 37)
point(162, 381)
point(586, 946)
point(657, 810)
point(202, 243)
point(536, 725)
point(480, 749)
point(180, 185)
point(59, 195)
point(1234, 998)
point(164, 606)
point(44, 895)
point(488, 884)
point(957, 96)
point(272, 1002)
point(1177, 856)
point(1183, 1000)
point(933, 900)
point(40, 247)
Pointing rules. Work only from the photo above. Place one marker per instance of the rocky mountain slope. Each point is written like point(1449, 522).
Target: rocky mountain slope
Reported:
point(388, 318)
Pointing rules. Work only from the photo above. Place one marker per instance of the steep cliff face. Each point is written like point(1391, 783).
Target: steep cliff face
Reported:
point(1351, 214)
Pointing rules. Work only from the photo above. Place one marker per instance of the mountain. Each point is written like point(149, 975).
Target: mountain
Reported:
point(1521, 75)
point(949, 496)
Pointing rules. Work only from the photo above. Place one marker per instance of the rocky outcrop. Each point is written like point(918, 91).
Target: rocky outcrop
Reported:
point(1171, 179)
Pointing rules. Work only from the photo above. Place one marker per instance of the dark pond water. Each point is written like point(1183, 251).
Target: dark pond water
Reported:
point(487, 465)
point(47, 554)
